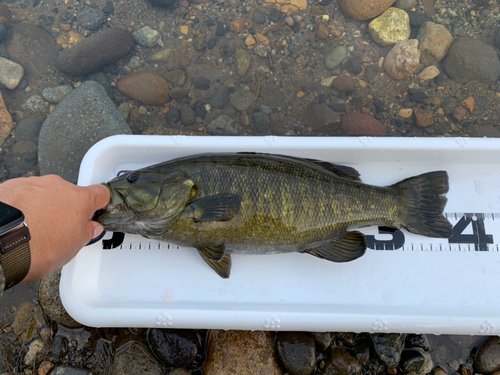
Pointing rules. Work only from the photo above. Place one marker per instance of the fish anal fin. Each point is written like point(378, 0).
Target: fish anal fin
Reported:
point(349, 246)
point(212, 252)
point(219, 207)
point(222, 267)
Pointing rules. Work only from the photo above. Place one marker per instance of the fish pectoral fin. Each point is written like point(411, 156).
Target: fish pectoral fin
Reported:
point(212, 252)
point(348, 247)
point(219, 207)
point(222, 267)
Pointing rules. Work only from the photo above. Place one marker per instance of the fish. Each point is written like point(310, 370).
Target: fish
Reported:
point(224, 203)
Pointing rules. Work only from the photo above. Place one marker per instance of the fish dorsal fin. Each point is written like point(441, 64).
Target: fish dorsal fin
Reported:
point(219, 207)
point(337, 169)
point(222, 267)
point(348, 247)
point(212, 252)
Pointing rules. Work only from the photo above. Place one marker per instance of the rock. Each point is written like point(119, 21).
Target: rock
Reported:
point(162, 3)
point(429, 73)
point(322, 339)
point(173, 116)
point(91, 18)
point(259, 18)
point(174, 347)
point(175, 77)
point(242, 60)
point(458, 113)
point(68, 370)
point(341, 361)
point(390, 27)
point(487, 131)
point(45, 367)
point(411, 360)
point(344, 84)
point(10, 73)
point(187, 116)
point(28, 321)
point(429, 7)
point(22, 148)
point(322, 31)
point(133, 64)
point(200, 109)
point(470, 59)
point(56, 94)
point(146, 36)
point(223, 125)
point(35, 48)
point(28, 129)
point(362, 9)
point(59, 347)
point(403, 59)
point(405, 113)
point(134, 358)
point(334, 58)
point(354, 66)
point(449, 105)
point(434, 39)
point(242, 100)
point(487, 359)
point(220, 98)
point(63, 142)
point(319, 115)
point(417, 341)
point(178, 93)
point(262, 50)
point(5, 122)
point(388, 347)
point(95, 51)
point(361, 124)
point(293, 5)
point(438, 371)
point(202, 83)
point(262, 122)
point(468, 103)
point(148, 88)
point(406, 5)
point(297, 352)
point(34, 349)
point(3, 33)
point(5, 15)
point(101, 78)
point(241, 352)
point(424, 119)
point(50, 301)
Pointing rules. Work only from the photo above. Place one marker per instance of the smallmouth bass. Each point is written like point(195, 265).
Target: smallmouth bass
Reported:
point(263, 203)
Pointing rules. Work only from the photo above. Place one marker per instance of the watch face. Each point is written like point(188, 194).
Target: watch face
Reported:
point(10, 217)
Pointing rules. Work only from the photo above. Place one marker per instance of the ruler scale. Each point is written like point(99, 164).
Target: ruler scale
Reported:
point(471, 232)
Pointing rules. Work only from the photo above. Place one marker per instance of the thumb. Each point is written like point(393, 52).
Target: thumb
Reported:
point(93, 230)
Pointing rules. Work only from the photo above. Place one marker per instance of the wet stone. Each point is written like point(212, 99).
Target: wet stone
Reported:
point(28, 321)
point(56, 94)
point(242, 100)
point(175, 77)
point(322, 339)
point(388, 347)
point(178, 93)
point(242, 59)
point(146, 36)
point(134, 358)
point(59, 347)
point(69, 370)
point(297, 352)
point(103, 80)
point(274, 15)
point(220, 98)
point(148, 88)
point(487, 358)
point(223, 125)
point(320, 115)
point(411, 360)
point(259, 18)
point(177, 348)
point(28, 129)
point(341, 361)
point(458, 113)
point(362, 347)
point(173, 116)
point(262, 122)
point(361, 124)
point(188, 116)
point(354, 66)
point(3, 33)
point(202, 83)
point(344, 84)
point(334, 58)
point(91, 18)
point(199, 109)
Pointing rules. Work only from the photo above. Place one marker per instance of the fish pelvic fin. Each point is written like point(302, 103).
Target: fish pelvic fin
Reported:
point(349, 246)
point(422, 201)
point(219, 207)
point(212, 252)
point(222, 267)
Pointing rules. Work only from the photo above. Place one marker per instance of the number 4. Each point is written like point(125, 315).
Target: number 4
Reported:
point(478, 237)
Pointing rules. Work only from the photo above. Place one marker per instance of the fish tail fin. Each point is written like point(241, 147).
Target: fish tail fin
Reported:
point(422, 204)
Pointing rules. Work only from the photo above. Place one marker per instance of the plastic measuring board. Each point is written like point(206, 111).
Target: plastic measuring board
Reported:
point(404, 282)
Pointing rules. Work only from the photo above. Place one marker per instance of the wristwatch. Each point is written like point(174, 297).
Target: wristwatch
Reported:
point(15, 255)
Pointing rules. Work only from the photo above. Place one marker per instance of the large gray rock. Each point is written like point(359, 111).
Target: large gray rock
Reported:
point(81, 119)
point(470, 59)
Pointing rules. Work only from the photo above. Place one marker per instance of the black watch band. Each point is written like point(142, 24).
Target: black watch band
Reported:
point(15, 255)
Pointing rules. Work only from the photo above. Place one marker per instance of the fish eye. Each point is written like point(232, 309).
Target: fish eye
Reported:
point(133, 177)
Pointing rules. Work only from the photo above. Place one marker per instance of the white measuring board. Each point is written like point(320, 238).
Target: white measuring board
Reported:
point(404, 282)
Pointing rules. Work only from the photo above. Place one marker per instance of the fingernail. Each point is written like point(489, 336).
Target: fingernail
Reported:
point(98, 230)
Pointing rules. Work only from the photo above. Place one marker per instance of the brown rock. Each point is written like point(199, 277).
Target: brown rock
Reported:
point(5, 122)
point(403, 59)
point(148, 88)
point(362, 9)
point(237, 25)
point(185, 57)
point(458, 113)
point(429, 6)
point(405, 112)
point(322, 31)
point(344, 84)
point(487, 359)
point(434, 39)
point(468, 103)
point(241, 352)
point(435, 100)
point(361, 124)
point(5, 15)
point(424, 119)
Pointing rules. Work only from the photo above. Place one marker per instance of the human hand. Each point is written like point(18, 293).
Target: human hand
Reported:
point(59, 217)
